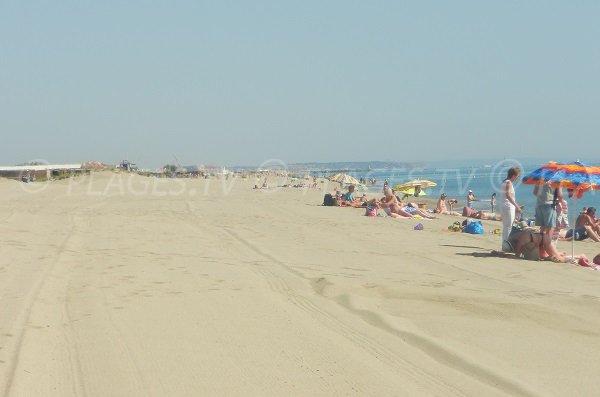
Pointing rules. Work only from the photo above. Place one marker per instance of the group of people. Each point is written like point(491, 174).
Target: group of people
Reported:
point(468, 211)
point(389, 203)
point(551, 215)
point(396, 208)
point(367, 181)
point(524, 241)
point(264, 185)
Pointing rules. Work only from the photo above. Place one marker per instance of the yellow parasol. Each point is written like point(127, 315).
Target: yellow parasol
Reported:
point(411, 192)
point(422, 183)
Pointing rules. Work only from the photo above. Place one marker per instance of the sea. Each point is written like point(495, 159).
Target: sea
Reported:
point(456, 182)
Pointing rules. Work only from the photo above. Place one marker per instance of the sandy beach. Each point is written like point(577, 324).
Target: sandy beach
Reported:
point(121, 285)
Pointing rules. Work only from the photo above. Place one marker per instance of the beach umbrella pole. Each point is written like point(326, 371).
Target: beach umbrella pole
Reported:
point(572, 225)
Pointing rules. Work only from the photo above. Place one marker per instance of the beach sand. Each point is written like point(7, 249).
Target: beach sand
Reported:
point(118, 285)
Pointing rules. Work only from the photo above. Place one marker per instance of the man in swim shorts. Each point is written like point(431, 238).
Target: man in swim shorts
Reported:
point(585, 227)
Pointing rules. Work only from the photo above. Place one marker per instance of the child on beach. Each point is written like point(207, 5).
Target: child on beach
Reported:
point(348, 199)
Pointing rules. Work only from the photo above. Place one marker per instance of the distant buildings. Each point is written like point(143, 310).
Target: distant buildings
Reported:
point(42, 171)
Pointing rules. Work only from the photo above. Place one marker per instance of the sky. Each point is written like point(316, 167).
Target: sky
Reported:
point(245, 82)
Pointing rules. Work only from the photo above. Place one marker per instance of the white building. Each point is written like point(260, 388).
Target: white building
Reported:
point(42, 170)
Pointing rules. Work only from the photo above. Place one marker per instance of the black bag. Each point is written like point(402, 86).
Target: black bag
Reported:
point(329, 201)
point(555, 199)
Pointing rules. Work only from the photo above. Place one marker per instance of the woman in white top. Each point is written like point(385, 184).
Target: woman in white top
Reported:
point(508, 206)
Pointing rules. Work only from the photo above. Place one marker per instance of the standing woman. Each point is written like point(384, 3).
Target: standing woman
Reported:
point(508, 206)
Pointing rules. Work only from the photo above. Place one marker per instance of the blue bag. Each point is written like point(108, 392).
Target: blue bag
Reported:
point(474, 228)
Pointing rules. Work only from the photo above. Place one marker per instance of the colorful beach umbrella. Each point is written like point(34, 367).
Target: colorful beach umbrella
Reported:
point(423, 183)
point(576, 175)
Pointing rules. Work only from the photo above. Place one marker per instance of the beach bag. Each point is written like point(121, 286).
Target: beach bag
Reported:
point(455, 227)
point(329, 201)
point(474, 228)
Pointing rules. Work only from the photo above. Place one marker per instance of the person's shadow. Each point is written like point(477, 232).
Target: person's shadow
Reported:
point(478, 254)
point(462, 246)
point(488, 254)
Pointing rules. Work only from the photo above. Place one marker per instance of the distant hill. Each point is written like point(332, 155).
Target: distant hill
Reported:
point(355, 165)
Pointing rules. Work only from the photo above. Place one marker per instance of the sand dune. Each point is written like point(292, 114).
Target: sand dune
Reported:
point(118, 285)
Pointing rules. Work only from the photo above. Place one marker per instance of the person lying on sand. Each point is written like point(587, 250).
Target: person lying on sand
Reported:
point(413, 209)
point(403, 209)
point(473, 213)
point(389, 203)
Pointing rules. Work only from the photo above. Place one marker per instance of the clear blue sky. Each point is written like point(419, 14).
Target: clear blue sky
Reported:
point(240, 82)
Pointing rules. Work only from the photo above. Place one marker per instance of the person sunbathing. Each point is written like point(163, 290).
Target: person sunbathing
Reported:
point(529, 243)
point(585, 227)
point(413, 209)
point(473, 213)
point(389, 203)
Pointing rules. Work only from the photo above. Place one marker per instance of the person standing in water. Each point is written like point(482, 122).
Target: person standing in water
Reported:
point(470, 199)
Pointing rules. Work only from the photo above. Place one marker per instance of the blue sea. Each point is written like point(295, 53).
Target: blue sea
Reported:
point(483, 181)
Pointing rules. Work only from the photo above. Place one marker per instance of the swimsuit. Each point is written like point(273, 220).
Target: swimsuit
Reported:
point(410, 210)
point(532, 240)
point(580, 233)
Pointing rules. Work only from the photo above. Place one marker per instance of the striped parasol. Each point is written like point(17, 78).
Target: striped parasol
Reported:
point(576, 175)
point(344, 179)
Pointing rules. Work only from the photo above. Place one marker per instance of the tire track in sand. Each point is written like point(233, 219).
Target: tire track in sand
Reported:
point(371, 346)
point(30, 300)
point(117, 338)
point(367, 343)
point(431, 348)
